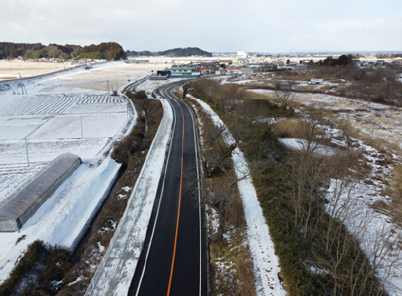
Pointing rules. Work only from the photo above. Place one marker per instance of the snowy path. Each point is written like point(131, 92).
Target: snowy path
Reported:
point(266, 263)
point(115, 273)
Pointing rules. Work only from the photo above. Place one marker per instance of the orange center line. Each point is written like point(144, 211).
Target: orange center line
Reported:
point(178, 211)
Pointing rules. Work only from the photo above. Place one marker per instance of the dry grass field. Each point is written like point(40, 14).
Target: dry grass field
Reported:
point(13, 69)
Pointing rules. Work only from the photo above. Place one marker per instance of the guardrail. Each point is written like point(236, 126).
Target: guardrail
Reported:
point(135, 83)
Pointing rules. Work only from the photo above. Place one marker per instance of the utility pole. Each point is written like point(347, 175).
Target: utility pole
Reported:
point(26, 149)
point(107, 82)
point(82, 130)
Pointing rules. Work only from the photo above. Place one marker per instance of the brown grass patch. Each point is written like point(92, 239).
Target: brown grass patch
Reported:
point(326, 87)
point(397, 178)
point(288, 128)
point(306, 88)
point(8, 77)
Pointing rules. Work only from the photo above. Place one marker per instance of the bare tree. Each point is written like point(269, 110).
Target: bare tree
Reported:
point(284, 92)
point(186, 87)
point(219, 196)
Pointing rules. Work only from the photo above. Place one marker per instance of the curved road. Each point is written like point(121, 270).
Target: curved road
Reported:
point(173, 259)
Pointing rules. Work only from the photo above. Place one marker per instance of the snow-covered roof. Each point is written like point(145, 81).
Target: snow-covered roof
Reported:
point(19, 208)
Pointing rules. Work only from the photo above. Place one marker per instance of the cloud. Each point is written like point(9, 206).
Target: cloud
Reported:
point(254, 25)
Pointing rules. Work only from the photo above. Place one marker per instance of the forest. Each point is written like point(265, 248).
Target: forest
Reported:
point(107, 50)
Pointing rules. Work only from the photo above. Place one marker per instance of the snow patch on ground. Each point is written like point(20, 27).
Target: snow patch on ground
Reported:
point(266, 263)
point(363, 207)
point(302, 145)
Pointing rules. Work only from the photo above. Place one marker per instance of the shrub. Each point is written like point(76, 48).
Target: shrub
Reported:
point(139, 95)
point(38, 271)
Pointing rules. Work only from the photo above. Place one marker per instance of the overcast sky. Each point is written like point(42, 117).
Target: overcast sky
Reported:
point(219, 25)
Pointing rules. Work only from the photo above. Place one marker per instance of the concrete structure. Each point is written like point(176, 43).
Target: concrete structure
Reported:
point(16, 210)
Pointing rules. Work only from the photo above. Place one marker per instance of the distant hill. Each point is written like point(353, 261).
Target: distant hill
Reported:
point(176, 52)
point(107, 50)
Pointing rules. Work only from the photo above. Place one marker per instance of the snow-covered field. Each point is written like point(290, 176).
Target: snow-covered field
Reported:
point(56, 117)
point(111, 77)
point(266, 263)
point(48, 125)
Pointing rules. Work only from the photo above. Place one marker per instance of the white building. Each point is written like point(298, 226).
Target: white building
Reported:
point(242, 55)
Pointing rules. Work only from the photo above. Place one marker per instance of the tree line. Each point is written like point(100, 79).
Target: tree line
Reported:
point(106, 50)
point(175, 52)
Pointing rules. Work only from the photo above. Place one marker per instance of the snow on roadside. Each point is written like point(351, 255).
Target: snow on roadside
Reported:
point(114, 274)
point(266, 263)
point(150, 85)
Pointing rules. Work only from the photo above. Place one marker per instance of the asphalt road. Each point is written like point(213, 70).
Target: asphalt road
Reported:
point(173, 259)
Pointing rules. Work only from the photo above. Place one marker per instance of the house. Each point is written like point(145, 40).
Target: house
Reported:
point(220, 72)
point(233, 71)
point(381, 64)
point(224, 62)
point(181, 71)
point(279, 63)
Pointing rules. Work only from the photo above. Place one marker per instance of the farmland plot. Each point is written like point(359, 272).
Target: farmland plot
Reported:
point(35, 129)
point(11, 177)
point(60, 116)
